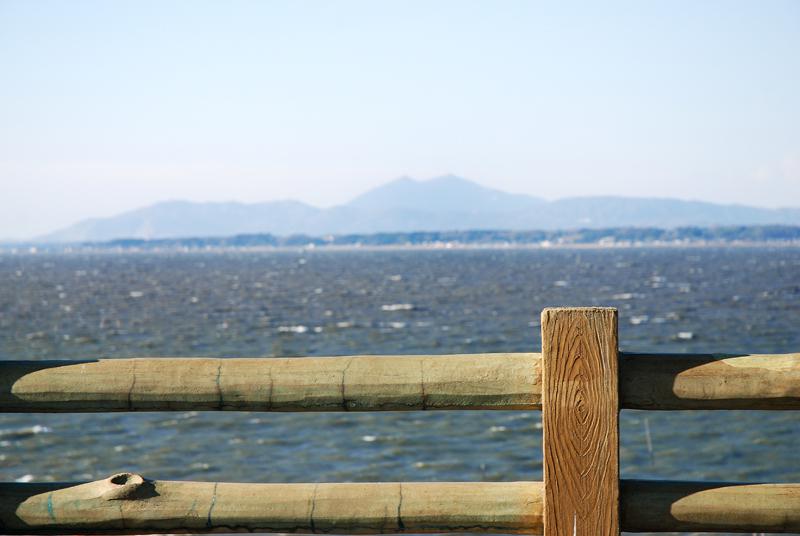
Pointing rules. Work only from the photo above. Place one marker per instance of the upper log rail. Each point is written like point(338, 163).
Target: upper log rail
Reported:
point(386, 383)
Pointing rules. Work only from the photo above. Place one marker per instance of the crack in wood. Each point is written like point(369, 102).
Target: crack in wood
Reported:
point(345, 407)
point(192, 510)
point(220, 402)
point(133, 384)
point(121, 515)
point(271, 388)
point(209, 524)
point(422, 383)
point(400, 525)
point(312, 509)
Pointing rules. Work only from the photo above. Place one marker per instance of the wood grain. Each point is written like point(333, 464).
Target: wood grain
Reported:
point(580, 409)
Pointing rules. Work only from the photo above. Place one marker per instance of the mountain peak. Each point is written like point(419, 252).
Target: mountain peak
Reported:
point(451, 179)
point(444, 193)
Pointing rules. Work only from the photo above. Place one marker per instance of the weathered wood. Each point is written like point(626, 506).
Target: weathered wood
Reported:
point(126, 503)
point(476, 381)
point(678, 381)
point(580, 414)
point(653, 506)
point(352, 383)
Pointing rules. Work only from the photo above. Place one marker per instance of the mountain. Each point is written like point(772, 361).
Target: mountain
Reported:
point(443, 194)
point(184, 218)
point(403, 205)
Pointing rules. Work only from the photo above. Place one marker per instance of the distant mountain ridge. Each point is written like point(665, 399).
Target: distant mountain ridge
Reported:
point(447, 203)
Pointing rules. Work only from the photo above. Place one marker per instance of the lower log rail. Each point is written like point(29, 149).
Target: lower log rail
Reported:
point(126, 503)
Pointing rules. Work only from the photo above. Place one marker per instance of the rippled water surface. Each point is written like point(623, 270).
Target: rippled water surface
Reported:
point(388, 302)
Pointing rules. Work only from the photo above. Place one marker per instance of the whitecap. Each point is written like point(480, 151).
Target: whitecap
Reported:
point(369, 438)
point(397, 307)
point(28, 431)
point(292, 329)
point(36, 335)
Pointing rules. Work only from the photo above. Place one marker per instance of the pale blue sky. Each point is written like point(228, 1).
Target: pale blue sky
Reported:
point(107, 106)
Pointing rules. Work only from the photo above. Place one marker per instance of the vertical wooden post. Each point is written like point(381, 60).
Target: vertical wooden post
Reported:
point(580, 413)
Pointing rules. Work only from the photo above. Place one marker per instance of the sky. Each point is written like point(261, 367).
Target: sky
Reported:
point(110, 106)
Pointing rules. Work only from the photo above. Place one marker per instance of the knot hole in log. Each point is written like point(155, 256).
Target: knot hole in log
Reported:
point(123, 486)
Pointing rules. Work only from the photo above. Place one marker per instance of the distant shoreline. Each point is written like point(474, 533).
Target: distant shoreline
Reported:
point(619, 237)
point(76, 250)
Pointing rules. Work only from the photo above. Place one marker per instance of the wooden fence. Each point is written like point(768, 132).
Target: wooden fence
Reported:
point(579, 381)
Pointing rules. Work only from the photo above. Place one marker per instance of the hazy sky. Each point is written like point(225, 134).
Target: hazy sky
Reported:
point(107, 106)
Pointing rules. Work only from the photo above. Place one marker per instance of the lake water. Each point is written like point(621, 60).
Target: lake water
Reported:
point(388, 302)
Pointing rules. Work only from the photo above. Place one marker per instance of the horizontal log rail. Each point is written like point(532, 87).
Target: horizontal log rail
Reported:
point(386, 383)
point(349, 383)
point(128, 503)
